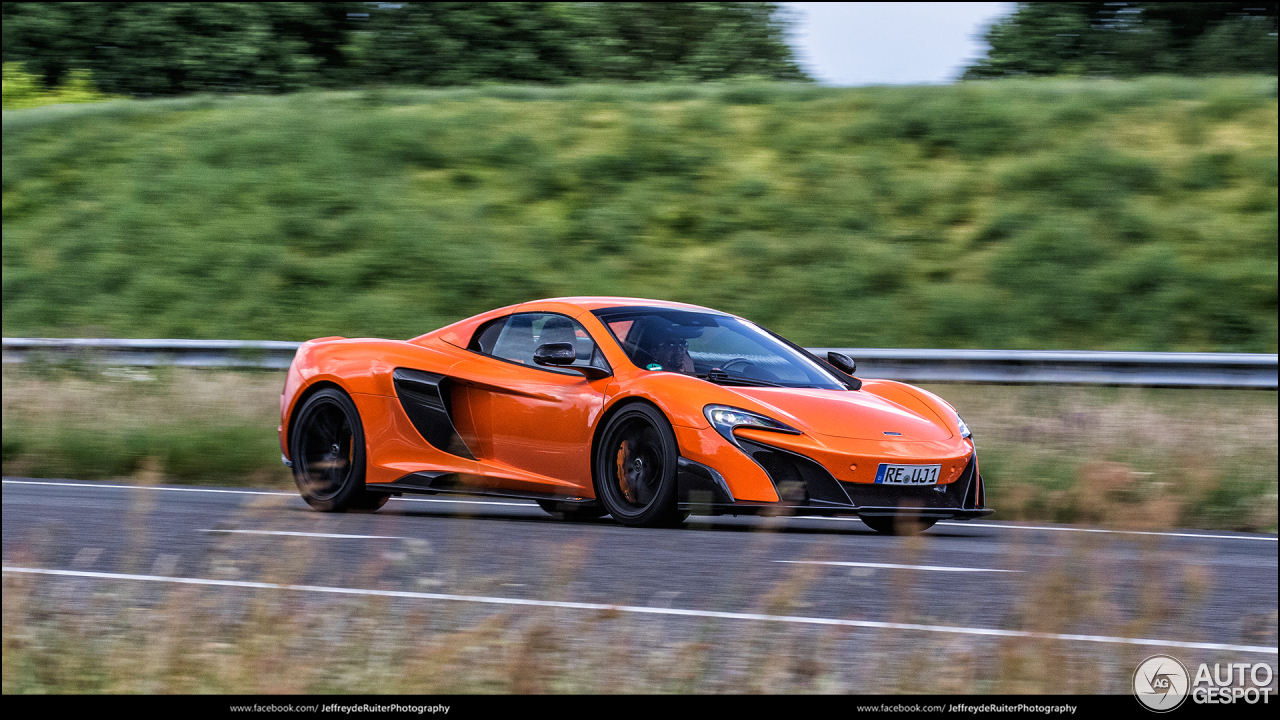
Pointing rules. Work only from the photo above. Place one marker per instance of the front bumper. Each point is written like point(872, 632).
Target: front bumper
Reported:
point(804, 486)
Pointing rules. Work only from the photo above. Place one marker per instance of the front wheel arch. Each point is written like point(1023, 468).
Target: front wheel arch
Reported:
point(662, 509)
point(604, 422)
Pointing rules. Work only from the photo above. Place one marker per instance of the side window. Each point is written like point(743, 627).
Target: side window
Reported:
point(487, 336)
point(515, 338)
point(621, 329)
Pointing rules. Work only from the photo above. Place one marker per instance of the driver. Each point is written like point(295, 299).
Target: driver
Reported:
point(672, 353)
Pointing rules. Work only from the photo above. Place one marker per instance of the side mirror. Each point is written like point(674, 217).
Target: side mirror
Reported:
point(562, 353)
point(565, 355)
point(843, 362)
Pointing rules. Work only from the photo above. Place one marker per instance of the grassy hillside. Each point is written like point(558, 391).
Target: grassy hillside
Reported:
point(1018, 214)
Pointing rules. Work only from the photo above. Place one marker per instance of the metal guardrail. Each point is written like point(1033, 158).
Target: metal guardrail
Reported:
point(1151, 369)
point(1016, 367)
point(184, 353)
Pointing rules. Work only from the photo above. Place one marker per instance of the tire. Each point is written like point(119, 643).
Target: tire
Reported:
point(327, 449)
point(898, 524)
point(572, 510)
point(635, 468)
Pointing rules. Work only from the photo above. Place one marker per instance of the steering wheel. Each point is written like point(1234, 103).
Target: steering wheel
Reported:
point(734, 361)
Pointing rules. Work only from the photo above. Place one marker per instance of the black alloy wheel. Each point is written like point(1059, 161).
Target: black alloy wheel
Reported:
point(635, 468)
point(327, 449)
point(898, 524)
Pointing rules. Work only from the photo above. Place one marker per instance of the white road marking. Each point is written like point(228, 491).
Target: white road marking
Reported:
point(644, 610)
point(894, 566)
point(306, 534)
point(532, 504)
point(1013, 526)
point(146, 487)
point(247, 492)
point(1116, 532)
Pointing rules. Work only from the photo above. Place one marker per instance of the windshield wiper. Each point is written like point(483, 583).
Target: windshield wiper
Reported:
point(721, 377)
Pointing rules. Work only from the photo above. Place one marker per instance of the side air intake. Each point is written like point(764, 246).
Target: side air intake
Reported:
point(425, 399)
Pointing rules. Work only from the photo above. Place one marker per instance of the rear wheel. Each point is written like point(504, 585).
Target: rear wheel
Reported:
point(327, 448)
point(635, 468)
point(898, 524)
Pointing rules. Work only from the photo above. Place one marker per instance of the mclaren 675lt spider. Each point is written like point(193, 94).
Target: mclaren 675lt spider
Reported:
point(640, 409)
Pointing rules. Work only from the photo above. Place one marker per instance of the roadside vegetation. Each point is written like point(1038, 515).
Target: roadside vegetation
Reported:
point(1124, 215)
point(23, 90)
point(1139, 459)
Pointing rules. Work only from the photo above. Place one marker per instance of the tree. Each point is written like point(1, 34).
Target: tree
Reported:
point(172, 48)
point(686, 41)
point(1131, 39)
point(460, 43)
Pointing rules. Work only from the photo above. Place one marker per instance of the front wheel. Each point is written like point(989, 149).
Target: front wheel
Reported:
point(898, 524)
point(327, 446)
point(635, 468)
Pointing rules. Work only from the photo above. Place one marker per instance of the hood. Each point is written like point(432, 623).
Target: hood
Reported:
point(844, 414)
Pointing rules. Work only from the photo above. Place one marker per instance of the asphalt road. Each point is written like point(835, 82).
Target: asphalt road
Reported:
point(1198, 594)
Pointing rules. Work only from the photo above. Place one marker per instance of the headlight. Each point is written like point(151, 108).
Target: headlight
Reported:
point(964, 429)
point(724, 419)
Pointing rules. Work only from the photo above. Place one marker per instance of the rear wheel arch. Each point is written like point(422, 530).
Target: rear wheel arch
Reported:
point(329, 453)
point(302, 400)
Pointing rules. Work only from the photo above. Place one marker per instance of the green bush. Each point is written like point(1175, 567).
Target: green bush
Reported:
point(24, 90)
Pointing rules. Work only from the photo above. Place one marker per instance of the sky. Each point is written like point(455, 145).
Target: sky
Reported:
point(900, 43)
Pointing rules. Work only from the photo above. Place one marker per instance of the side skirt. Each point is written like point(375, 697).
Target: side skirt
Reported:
point(446, 483)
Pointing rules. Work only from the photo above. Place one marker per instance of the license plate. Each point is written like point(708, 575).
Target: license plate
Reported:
point(908, 474)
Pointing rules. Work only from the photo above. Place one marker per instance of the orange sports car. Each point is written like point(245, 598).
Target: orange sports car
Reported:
point(645, 410)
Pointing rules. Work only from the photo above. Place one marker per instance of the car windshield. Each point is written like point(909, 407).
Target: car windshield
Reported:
point(719, 348)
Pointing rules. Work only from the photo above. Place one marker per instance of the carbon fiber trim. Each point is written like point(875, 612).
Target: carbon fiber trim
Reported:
point(701, 485)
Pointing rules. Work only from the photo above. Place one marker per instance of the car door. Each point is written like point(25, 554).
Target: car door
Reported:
point(530, 417)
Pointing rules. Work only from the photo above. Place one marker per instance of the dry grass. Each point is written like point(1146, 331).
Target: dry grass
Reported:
point(136, 397)
point(1129, 458)
point(187, 425)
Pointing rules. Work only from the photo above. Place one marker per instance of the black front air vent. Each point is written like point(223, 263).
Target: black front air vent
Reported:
point(974, 497)
point(798, 479)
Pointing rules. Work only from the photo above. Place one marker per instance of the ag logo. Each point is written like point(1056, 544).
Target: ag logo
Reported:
point(1161, 683)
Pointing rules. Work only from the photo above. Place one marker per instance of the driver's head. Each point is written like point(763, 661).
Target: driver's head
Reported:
point(672, 353)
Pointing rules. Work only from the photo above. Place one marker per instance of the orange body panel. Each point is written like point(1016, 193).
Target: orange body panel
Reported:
point(746, 479)
point(531, 429)
point(531, 419)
